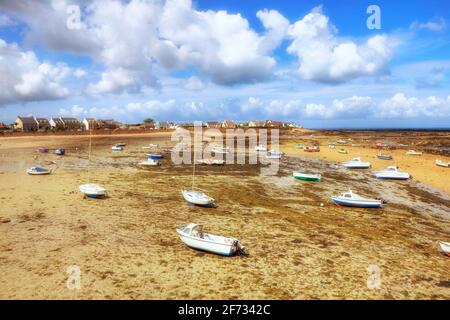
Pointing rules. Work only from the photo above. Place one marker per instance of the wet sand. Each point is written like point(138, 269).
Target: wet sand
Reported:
point(127, 248)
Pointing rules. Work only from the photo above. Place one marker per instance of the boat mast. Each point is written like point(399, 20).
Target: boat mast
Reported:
point(193, 169)
point(89, 155)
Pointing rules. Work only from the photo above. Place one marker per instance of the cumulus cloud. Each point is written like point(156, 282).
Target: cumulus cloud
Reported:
point(25, 78)
point(436, 24)
point(401, 106)
point(194, 83)
point(325, 58)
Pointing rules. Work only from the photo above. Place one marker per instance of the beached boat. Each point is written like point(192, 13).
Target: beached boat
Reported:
point(260, 148)
point(392, 172)
point(351, 199)
point(343, 151)
point(120, 144)
point(193, 236)
point(356, 163)
point(116, 148)
point(312, 149)
point(93, 190)
point(60, 151)
point(316, 177)
point(332, 146)
point(154, 156)
point(413, 153)
point(273, 154)
point(299, 146)
point(216, 162)
point(220, 150)
point(445, 247)
point(441, 163)
point(149, 162)
point(384, 156)
point(197, 197)
point(42, 150)
point(37, 171)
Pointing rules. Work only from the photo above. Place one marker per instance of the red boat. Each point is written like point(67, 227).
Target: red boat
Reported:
point(311, 149)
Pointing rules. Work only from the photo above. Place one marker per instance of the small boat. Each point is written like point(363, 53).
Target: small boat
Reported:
point(299, 146)
point(149, 162)
point(197, 197)
point(220, 150)
point(120, 144)
point(445, 247)
point(116, 148)
point(193, 236)
point(312, 149)
point(210, 162)
point(332, 146)
point(316, 177)
point(37, 171)
point(341, 141)
point(260, 148)
point(273, 154)
point(154, 155)
point(413, 153)
point(356, 163)
point(441, 163)
point(384, 156)
point(60, 151)
point(343, 151)
point(351, 199)
point(392, 172)
point(42, 150)
point(92, 190)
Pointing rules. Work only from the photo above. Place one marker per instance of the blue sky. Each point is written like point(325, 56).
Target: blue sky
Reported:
point(312, 62)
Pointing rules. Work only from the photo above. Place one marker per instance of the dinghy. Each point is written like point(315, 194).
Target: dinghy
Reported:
point(116, 148)
point(441, 163)
point(42, 150)
point(149, 162)
point(316, 177)
point(413, 153)
point(392, 172)
point(60, 151)
point(299, 146)
point(343, 151)
point(332, 146)
point(384, 156)
point(193, 236)
point(260, 148)
point(37, 171)
point(197, 197)
point(356, 163)
point(273, 154)
point(92, 190)
point(445, 247)
point(351, 199)
point(312, 149)
point(154, 156)
point(120, 144)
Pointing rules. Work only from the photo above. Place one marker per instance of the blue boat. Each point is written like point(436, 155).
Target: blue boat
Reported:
point(384, 156)
point(154, 156)
point(60, 151)
point(350, 199)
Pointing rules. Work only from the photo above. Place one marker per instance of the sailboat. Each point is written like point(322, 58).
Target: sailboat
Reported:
point(92, 190)
point(196, 196)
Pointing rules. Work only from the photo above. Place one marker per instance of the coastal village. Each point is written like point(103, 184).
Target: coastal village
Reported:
point(68, 124)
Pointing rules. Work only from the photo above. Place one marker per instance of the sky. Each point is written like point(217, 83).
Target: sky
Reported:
point(321, 64)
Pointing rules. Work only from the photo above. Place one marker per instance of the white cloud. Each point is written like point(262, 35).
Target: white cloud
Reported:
point(194, 83)
point(25, 78)
point(401, 106)
point(436, 24)
point(325, 58)
point(79, 72)
point(6, 21)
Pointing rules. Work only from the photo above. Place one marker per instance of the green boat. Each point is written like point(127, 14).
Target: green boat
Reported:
point(307, 176)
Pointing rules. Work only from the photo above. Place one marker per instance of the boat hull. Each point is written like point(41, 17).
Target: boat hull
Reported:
point(355, 203)
point(198, 244)
point(306, 177)
point(92, 191)
point(391, 177)
point(383, 157)
point(196, 200)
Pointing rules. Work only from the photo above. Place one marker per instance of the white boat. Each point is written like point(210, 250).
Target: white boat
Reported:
point(197, 197)
point(351, 199)
point(273, 154)
point(260, 148)
point(392, 172)
point(37, 171)
point(210, 162)
point(413, 153)
point(193, 236)
point(445, 247)
point(441, 163)
point(220, 150)
point(93, 190)
point(116, 148)
point(316, 177)
point(149, 162)
point(299, 146)
point(356, 163)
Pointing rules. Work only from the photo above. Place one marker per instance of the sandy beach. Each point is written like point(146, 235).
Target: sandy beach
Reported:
point(301, 245)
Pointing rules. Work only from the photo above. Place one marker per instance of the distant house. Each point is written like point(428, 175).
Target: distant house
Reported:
point(89, 124)
point(274, 124)
point(26, 124)
point(227, 124)
point(71, 123)
point(213, 124)
point(56, 123)
point(107, 124)
point(43, 124)
point(257, 124)
point(164, 125)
